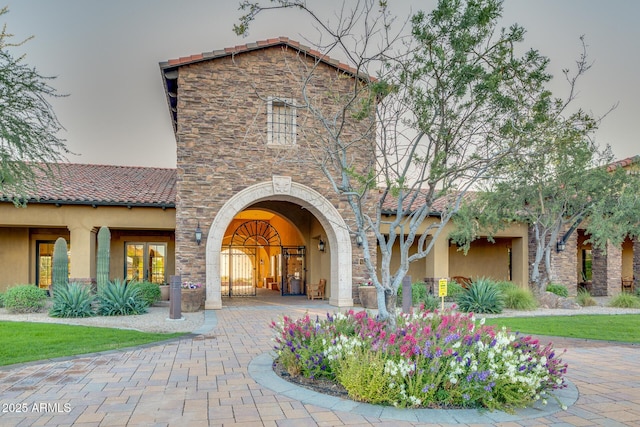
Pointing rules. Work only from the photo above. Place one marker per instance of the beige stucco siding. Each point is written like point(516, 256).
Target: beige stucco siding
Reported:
point(21, 228)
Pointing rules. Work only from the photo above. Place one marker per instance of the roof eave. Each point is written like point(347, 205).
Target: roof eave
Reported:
point(96, 203)
point(391, 212)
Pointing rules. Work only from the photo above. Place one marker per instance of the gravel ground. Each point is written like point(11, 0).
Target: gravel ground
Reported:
point(157, 319)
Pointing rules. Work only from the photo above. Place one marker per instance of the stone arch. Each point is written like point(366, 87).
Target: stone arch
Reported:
point(281, 188)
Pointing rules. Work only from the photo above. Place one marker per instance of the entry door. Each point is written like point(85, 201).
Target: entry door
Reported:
point(293, 271)
point(44, 256)
point(146, 261)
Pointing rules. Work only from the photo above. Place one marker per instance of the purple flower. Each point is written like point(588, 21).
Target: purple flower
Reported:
point(453, 337)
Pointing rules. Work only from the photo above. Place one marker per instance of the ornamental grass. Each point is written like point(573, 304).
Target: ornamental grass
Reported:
point(433, 359)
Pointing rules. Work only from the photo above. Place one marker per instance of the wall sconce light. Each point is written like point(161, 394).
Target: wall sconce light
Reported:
point(359, 240)
point(561, 246)
point(321, 245)
point(198, 234)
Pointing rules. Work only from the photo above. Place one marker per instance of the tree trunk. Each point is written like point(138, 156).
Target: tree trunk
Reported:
point(383, 314)
point(390, 305)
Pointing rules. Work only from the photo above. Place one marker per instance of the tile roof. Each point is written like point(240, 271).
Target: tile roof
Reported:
point(170, 74)
point(110, 185)
point(438, 206)
point(262, 44)
point(624, 163)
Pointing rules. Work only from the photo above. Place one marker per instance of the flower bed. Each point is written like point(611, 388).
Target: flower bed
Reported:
point(432, 359)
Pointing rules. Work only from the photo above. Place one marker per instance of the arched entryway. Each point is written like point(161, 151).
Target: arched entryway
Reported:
point(255, 254)
point(282, 188)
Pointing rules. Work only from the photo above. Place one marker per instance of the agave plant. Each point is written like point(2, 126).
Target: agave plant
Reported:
point(117, 298)
point(483, 296)
point(72, 300)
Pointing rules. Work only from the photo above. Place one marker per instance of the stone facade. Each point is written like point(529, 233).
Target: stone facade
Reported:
point(607, 271)
point(222, 145)
point(564, 264)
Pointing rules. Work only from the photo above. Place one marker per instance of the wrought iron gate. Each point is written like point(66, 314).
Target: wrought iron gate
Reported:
point(241, 268)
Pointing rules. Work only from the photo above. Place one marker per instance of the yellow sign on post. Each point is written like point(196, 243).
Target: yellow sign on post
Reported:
point(442, 290)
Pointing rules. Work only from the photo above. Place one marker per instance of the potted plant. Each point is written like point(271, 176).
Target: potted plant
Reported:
point(164, 292)
point(192, 296)
point(368, 295)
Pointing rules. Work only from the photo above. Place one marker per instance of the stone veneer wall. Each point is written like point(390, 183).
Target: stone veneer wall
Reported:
point(607, 271)
point(564, 264)
point(222, 140)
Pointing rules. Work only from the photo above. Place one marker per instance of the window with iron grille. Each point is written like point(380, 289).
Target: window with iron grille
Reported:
point(281, 122)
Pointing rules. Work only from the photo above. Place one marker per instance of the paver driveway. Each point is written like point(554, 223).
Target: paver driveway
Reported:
point(204, 379)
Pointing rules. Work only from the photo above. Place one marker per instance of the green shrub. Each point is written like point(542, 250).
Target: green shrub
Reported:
point(559, 290)
point(517, 298)
point(362, 373)
point(72, 300)
point(453, 290)
point(25, 299)
point(1, 300)
point(483, 296)
point(585, 299)
point(149, 292)
point(625, 300)
point(431, 302)
point(418, 293)
point(116, 298)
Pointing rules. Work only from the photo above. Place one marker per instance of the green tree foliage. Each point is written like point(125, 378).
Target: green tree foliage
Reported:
point(450, 101)
point(29, 128)
point(563, 181)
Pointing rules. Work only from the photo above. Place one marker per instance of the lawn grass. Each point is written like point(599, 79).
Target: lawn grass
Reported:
point(621, 327)
point(28, 341)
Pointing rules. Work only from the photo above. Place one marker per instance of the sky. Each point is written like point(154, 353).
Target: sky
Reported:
point(105, 56)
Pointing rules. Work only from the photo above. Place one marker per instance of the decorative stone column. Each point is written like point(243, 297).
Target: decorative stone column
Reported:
point(607, 271)
point(565, 264)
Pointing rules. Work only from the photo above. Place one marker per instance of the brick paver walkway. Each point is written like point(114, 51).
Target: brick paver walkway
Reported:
point(204, 380)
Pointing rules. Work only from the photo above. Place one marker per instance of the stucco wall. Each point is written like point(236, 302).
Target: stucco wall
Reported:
point(21, 228)
point(14, 253)
point(484, 259)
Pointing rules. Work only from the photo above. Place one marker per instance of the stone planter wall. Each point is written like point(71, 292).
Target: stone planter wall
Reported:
point(164, 292)
point(368, 296)
point(191, 300)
